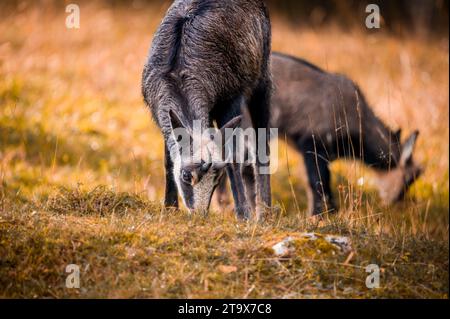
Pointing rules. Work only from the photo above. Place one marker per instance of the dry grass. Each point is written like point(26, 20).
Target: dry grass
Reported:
point(72, 121)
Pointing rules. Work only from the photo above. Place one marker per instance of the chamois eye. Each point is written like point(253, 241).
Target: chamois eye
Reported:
point(186, 177)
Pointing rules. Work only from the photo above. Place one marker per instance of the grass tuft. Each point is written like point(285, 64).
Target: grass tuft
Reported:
point(99, 201)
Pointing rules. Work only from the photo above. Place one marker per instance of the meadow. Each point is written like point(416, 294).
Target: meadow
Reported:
point(82, 179)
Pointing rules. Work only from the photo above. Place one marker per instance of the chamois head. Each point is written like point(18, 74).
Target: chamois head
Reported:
point(198, 158)
point(393, 185)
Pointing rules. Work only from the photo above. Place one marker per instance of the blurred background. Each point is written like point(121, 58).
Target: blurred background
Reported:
point(399, 16)
point(71, 110)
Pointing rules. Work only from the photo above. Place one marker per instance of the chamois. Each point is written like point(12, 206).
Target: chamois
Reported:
point(325, 117)
point(209, 60)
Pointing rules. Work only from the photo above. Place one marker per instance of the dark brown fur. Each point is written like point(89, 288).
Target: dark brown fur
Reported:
point(208, 59)
point(325, 117)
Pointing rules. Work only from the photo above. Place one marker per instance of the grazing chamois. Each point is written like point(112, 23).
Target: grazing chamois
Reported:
point(326, 117)
point(209, 60)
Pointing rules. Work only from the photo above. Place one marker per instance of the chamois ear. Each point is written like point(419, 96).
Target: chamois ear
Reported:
point(234, 123)
point(408, 149)
point(175, 121)
point(178, 129)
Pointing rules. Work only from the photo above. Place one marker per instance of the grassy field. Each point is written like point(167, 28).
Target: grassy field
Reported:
point(81, 172)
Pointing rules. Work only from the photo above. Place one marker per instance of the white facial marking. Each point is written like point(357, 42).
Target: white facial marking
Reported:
point(207, 151)
point(203, 191)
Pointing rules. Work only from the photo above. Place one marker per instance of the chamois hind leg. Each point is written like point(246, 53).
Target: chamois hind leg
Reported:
point(259, 110)
point(171, 196)
point(319, 179)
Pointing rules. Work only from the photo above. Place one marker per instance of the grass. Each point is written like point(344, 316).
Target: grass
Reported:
point(81, 172)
